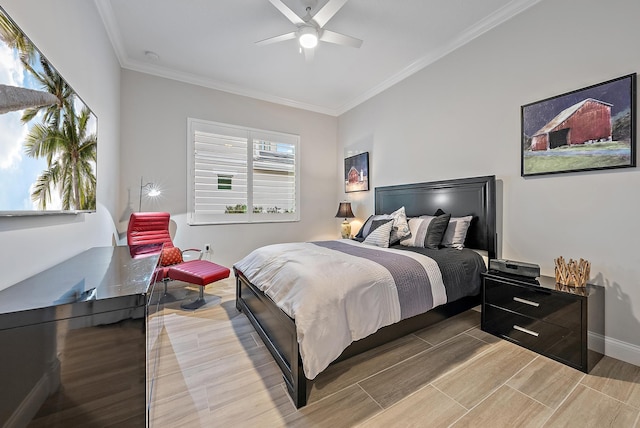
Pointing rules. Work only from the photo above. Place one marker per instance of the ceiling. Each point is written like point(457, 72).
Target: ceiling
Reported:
point(212, 43)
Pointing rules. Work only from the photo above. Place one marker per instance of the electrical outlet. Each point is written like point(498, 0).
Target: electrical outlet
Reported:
point(207, 248)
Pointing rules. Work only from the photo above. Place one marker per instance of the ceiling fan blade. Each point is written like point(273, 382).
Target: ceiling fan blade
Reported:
point(340, 39)
point(328, 10)
point(284, 9)
point(308, 54)
point(276, 39)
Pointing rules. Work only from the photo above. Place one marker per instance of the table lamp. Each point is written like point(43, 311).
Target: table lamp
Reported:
point(344, 211)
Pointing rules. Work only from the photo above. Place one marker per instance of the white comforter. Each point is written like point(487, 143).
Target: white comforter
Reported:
point(335, 298)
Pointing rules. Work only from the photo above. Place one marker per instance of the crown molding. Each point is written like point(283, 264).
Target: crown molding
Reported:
point(505, 13)
point(193, 79)
point(111, 26)
point(113, 31)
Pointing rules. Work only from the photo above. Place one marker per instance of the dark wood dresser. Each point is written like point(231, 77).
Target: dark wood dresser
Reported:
point(78, 342)
point(549, 319)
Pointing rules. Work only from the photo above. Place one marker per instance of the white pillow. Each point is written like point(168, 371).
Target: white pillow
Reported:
point(400, 226)
point(380, 235)
point(456, 232)
point(366, 227)
point(418, 228)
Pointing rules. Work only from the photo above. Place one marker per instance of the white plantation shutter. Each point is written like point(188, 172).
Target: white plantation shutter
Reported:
point(217, 156)
point(241, 175)
point(274, 177)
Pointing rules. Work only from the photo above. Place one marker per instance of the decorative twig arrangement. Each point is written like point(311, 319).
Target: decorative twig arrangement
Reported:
point(573, 274)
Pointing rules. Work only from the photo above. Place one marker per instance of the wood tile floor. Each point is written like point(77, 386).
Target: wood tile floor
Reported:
point(215, 372)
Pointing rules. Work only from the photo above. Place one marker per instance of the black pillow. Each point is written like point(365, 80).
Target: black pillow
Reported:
point(435, 231)
point(359, 235)
point(439, 212)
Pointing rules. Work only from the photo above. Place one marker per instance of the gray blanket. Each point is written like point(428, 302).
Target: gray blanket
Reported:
point(460, 271)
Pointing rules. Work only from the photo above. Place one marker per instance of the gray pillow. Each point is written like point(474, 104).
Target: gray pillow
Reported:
point(366, 227)
point(426, 231)
point(380, 233)
point(376, 224)
point(456, 232)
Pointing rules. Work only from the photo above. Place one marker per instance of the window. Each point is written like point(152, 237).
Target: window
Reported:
point(224, 182)
point(241, 175)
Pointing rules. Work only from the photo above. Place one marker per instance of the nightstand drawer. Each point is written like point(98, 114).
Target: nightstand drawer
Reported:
point(534, 302)
point(543, 337)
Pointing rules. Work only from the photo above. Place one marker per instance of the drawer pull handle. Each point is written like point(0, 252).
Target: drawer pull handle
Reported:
point(526, 302)
point(524, 330)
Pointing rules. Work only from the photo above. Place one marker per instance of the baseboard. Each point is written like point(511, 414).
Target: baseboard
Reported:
point(622, 350)
point(596, 342)
point(615, 348)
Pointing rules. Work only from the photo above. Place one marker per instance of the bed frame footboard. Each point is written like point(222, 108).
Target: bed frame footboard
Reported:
point(278, 332)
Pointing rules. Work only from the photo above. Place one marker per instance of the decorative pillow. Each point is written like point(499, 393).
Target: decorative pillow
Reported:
point(379, 236)
point(400, 226)
point(426, 231)
point(377, 223)
point(439, 212)
point(456, 231)
point(360, 234)
point(170, 256)
point(366, 227)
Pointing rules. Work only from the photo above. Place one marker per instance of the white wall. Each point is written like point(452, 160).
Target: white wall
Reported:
point(154, 138)
point(460, 117)
point(72, 37)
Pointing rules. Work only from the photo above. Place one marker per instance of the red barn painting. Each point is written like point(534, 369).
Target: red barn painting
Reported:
point(586, 121)
point(356, 173)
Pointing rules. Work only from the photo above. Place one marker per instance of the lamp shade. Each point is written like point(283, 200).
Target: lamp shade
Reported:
point(344, 210)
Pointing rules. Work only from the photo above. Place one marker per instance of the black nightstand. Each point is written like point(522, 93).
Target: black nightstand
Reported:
point(551, 320)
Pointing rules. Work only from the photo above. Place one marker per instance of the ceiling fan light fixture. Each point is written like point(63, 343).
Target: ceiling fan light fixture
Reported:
point(308, 37)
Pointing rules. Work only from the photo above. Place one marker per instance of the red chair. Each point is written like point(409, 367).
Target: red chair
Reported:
point(149, 228)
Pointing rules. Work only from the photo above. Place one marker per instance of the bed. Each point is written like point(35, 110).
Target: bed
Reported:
point(459, 197)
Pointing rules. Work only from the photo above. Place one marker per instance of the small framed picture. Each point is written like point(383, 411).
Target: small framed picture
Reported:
point(356, 173)
point(584, 130)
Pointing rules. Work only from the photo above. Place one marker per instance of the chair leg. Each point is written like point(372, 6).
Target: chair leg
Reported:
point(166, 296)
point(196, 303)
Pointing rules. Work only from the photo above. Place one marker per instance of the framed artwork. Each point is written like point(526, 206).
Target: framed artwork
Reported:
point(587, 129)
point(356, 173)
point(48, 135)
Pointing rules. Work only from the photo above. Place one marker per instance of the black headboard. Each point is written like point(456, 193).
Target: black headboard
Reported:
point(461, 197)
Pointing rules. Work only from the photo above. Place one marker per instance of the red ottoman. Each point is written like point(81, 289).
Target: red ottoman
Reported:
point(199, 272)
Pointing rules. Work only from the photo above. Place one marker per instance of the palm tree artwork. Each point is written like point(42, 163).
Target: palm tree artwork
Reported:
point(71, 153)
point(14, 98)
point(61, 128)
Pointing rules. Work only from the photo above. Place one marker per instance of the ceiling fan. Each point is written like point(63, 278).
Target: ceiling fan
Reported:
point(310, 29)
